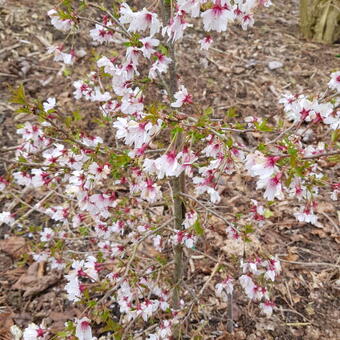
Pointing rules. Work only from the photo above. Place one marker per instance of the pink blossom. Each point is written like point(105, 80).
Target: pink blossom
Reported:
point(35, 332)
point(182, 97)
point(206, 42)
point(267, 308)
point(47, 235)
point(150, 191)
point(334, 83)
point(307, 215)
point(206, 185)
point(139, 21)
point(176, 27)
point(192, 7)
point(83, 329)
point(217, 17)
point(159, 66)
point(6, 217)
point(102, 34)
point(272, 185)
point(148, 46)
point(224, 288)
point(60, 24)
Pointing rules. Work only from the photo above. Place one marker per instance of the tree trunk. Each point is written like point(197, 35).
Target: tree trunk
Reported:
point(177, 183)
point(320, 20)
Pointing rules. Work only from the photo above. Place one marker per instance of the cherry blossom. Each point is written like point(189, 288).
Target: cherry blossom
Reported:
point(150, 191)
point(49, 104)
point(334, 83)
point(106, 190)
point(218, 17)
point(3, 183)
point(103, 34)
point(135, 134)
point(6, 217)
point(160, 65)
point(272, 186)
point(35, 332)
point(224, 288)
point(206, 42)
point(139, 21)
point(192, 7)
point(47, 235)
point(83, 329)
point(60, 24)
point(206, 185)
point(175, 29)
point(148, 47)
point(182, 97)
point(267, 308)
point(307, 215)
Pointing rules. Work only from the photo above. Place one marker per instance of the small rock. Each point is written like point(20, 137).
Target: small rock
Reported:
point(273, 65)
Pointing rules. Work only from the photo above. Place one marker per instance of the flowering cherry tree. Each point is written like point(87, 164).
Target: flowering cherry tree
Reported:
point(100, 200)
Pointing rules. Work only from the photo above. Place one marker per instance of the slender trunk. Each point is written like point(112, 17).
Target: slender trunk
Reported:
point(320, 20)
point(177, 183)
point(230, 322)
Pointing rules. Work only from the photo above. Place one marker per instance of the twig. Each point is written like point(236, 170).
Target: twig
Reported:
point(125, 32)
point(101, 24)
point(230, 322)
point(133, 255)
point(332, 222)
point(210, 278)
point(196, 298)
point(282, 133)
point(213, 212)
point(310, 264)
point(34, 208)
point(40, 165)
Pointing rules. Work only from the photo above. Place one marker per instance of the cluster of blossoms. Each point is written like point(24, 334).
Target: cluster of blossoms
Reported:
point(253, 271)
point(300, 108)
point(89, 170)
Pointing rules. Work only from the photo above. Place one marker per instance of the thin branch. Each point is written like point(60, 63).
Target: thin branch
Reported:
point(40, 165)
point(116, 21)
point(101, 24)
point(213, 212)
point(311, 264)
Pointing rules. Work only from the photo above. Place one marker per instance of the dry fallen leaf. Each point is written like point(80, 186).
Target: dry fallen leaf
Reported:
point(32, 283)
point(14, 246)
point(59, 318)
point(6, 323)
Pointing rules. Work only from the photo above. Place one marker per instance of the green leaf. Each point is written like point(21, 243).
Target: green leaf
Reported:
point(209, 111)
point(268, 213)
point(76, 115)
point(262, 147)
point(198, 228)
point(18, 95)
point(248, 229)
point(263, 126)
point(196, 136)
point(161, 259)
point(231, 113)
point(335, 136)
point(229, 142)
point(22, 159)
point(91, 303)
point(67, 72)
point(164, 50)
point(176, 130)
